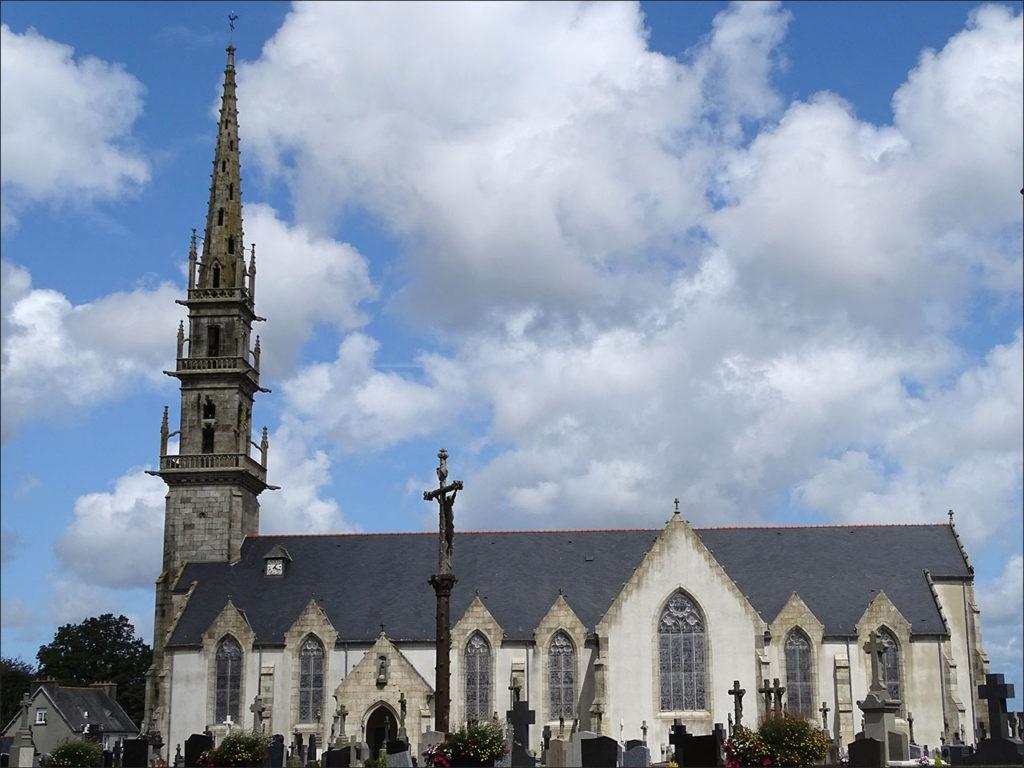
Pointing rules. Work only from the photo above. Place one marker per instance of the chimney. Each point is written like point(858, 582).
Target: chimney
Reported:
point(109, 687)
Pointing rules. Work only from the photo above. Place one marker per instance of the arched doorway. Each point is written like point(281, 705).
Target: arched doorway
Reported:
point(381, 725)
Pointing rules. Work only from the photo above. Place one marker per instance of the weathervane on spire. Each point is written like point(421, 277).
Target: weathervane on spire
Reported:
point(232, 18)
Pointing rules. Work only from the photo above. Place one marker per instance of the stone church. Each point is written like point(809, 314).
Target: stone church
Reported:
point(620, 629)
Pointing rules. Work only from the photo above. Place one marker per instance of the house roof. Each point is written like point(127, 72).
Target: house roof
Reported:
point(365, 580)
point(80, 705)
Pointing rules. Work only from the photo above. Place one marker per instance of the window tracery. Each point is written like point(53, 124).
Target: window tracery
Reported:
point(561, 677)
point(799, 699)
point(228, 685)
point(478, 678)
point(311, 679)
point(682, 655)
point(890, 665)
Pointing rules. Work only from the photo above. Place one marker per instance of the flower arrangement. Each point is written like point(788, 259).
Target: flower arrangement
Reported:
point(76, 752)
point(473, 744)
point(780, 741)
point(746, 747)
point(238, 748)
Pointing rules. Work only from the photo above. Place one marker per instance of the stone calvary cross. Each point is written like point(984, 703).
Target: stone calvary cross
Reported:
point(442, 582)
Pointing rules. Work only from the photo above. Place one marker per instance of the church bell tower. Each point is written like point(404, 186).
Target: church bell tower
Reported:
point(213, 479)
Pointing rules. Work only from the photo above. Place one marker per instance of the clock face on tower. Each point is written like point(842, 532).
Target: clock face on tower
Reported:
point(275, 567)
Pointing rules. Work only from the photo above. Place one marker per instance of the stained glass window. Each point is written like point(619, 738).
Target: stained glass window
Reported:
point(562, 677)
point(311, 679)
point(478, 678)
point(890, 664)
point(229, 679)
point(682, 655)
point(798, 675)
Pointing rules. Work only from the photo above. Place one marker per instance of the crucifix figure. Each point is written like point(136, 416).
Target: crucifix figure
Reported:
point(737, 696)
point(442, 582)
point(766, 691)
point(26, 702)
point(341, 713)
point(874, 648)
point(257, 708)
point(910, 726)
point(445, 496)
point(824, 716)
point(643, 730)
point(778, 690)
point(516, 689)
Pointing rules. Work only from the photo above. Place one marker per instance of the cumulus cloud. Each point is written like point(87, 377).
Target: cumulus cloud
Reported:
point(131, 515)
point(65, 126)
point(1002, 598)
point(525, 151)
point(302, 281)
point(58, 357)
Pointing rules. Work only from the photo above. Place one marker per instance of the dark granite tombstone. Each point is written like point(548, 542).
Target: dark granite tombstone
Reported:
point(398, 754)
point(599, 752)
point(135, 753)
point(108, 759)
point(959, 754)
point(634, 743)
point(195, 745)
point(998, 748)
point(311, 749)
point(521, 717)
point(677, 737)
point(275, 752)
point(5, 759)
point(867, 753)
point(335, 758)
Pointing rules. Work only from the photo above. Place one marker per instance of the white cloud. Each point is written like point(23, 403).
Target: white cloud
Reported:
point(65, 126)
point(528, 152)
point(303, 474)
point(58, 358)
point(128, 521)
point(1002, 617)
point(301, 281)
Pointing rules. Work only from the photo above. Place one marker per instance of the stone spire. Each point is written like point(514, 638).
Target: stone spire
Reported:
point(222, 264)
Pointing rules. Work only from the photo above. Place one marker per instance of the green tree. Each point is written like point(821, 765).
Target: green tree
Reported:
point(15, 678)
point(101, 648)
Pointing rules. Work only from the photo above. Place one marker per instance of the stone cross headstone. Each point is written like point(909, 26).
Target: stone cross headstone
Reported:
point(732, 729)
point(23, 751)
point(521, 717)
point(875, 650)
point(766, 692)
point(643, 730)
point(257, 708)
point(910, 726)
point(777, 691)
point(824, 716)
point(561, 726)
point(179, 759)
point(998, 748)
point(737, 698)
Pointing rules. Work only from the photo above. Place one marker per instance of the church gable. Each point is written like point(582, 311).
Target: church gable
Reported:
point(796, 614)
point(560, 641)
point(384, 677)
point(230, 625)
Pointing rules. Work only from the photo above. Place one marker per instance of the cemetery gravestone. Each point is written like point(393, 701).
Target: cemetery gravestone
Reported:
point(637, 755)
point(599, 752)
point(275, 753)
point(398, 754)
point(867, 753)
point(195, 745)
point(997, 749)
point(521, 717)
point(899, 746)
point(135, 753)
point(311, 750)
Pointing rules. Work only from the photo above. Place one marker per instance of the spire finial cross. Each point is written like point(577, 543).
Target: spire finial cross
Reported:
point(232, 18)
point(677, 504)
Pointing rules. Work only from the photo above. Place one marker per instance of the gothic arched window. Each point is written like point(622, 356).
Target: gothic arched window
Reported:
point(216, 275)
point(311, 679)
point(562, 677)
point(229, 679)
point(682, 655)
point(478, 678)
point(798, 675)
point(890, 664)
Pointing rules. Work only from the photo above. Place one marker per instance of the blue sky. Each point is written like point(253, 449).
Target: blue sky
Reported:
point(764, 258)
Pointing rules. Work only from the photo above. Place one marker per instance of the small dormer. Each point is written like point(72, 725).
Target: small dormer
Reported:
point(276, 561)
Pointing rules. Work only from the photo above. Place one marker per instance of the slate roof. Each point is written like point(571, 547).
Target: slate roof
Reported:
point(365, 580)
point(80, 705)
